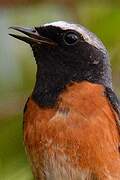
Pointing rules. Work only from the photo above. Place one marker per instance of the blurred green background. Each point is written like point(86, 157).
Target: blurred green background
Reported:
point(17, 66)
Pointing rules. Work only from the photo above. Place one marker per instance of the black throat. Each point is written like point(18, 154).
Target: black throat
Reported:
point(50, 82)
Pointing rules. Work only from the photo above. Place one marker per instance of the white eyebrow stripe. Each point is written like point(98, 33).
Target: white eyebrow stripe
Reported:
point(88, 36)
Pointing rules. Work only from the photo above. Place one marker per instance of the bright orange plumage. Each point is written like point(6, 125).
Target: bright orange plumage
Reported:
point(80, 134)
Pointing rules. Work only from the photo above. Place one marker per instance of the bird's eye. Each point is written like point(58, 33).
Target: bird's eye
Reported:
point(70, 38)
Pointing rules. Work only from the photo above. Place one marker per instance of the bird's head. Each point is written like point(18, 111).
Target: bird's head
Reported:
point(66, 53)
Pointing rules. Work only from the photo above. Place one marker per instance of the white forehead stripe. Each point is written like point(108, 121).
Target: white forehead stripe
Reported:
point(87, 35)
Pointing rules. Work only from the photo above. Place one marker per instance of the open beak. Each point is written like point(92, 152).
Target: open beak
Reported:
point(32, 36)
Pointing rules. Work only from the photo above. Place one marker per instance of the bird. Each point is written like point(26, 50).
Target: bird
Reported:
point(71, 120)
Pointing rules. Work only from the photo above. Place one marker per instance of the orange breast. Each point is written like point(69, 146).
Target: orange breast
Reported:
point(79, 138)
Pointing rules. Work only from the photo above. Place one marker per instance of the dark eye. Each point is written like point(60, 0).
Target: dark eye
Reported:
point(70, 38)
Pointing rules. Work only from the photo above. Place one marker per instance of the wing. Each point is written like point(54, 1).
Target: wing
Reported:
point(115, 103)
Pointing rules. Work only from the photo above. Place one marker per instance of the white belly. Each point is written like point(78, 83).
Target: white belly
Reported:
point(57, 168)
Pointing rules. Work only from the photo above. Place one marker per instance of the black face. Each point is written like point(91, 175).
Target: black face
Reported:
point(65, 57)
point(70, 49)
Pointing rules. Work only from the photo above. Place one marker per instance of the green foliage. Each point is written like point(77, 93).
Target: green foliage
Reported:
point(13, 162)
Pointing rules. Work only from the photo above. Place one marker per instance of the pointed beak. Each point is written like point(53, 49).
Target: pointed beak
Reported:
point(32, 36)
